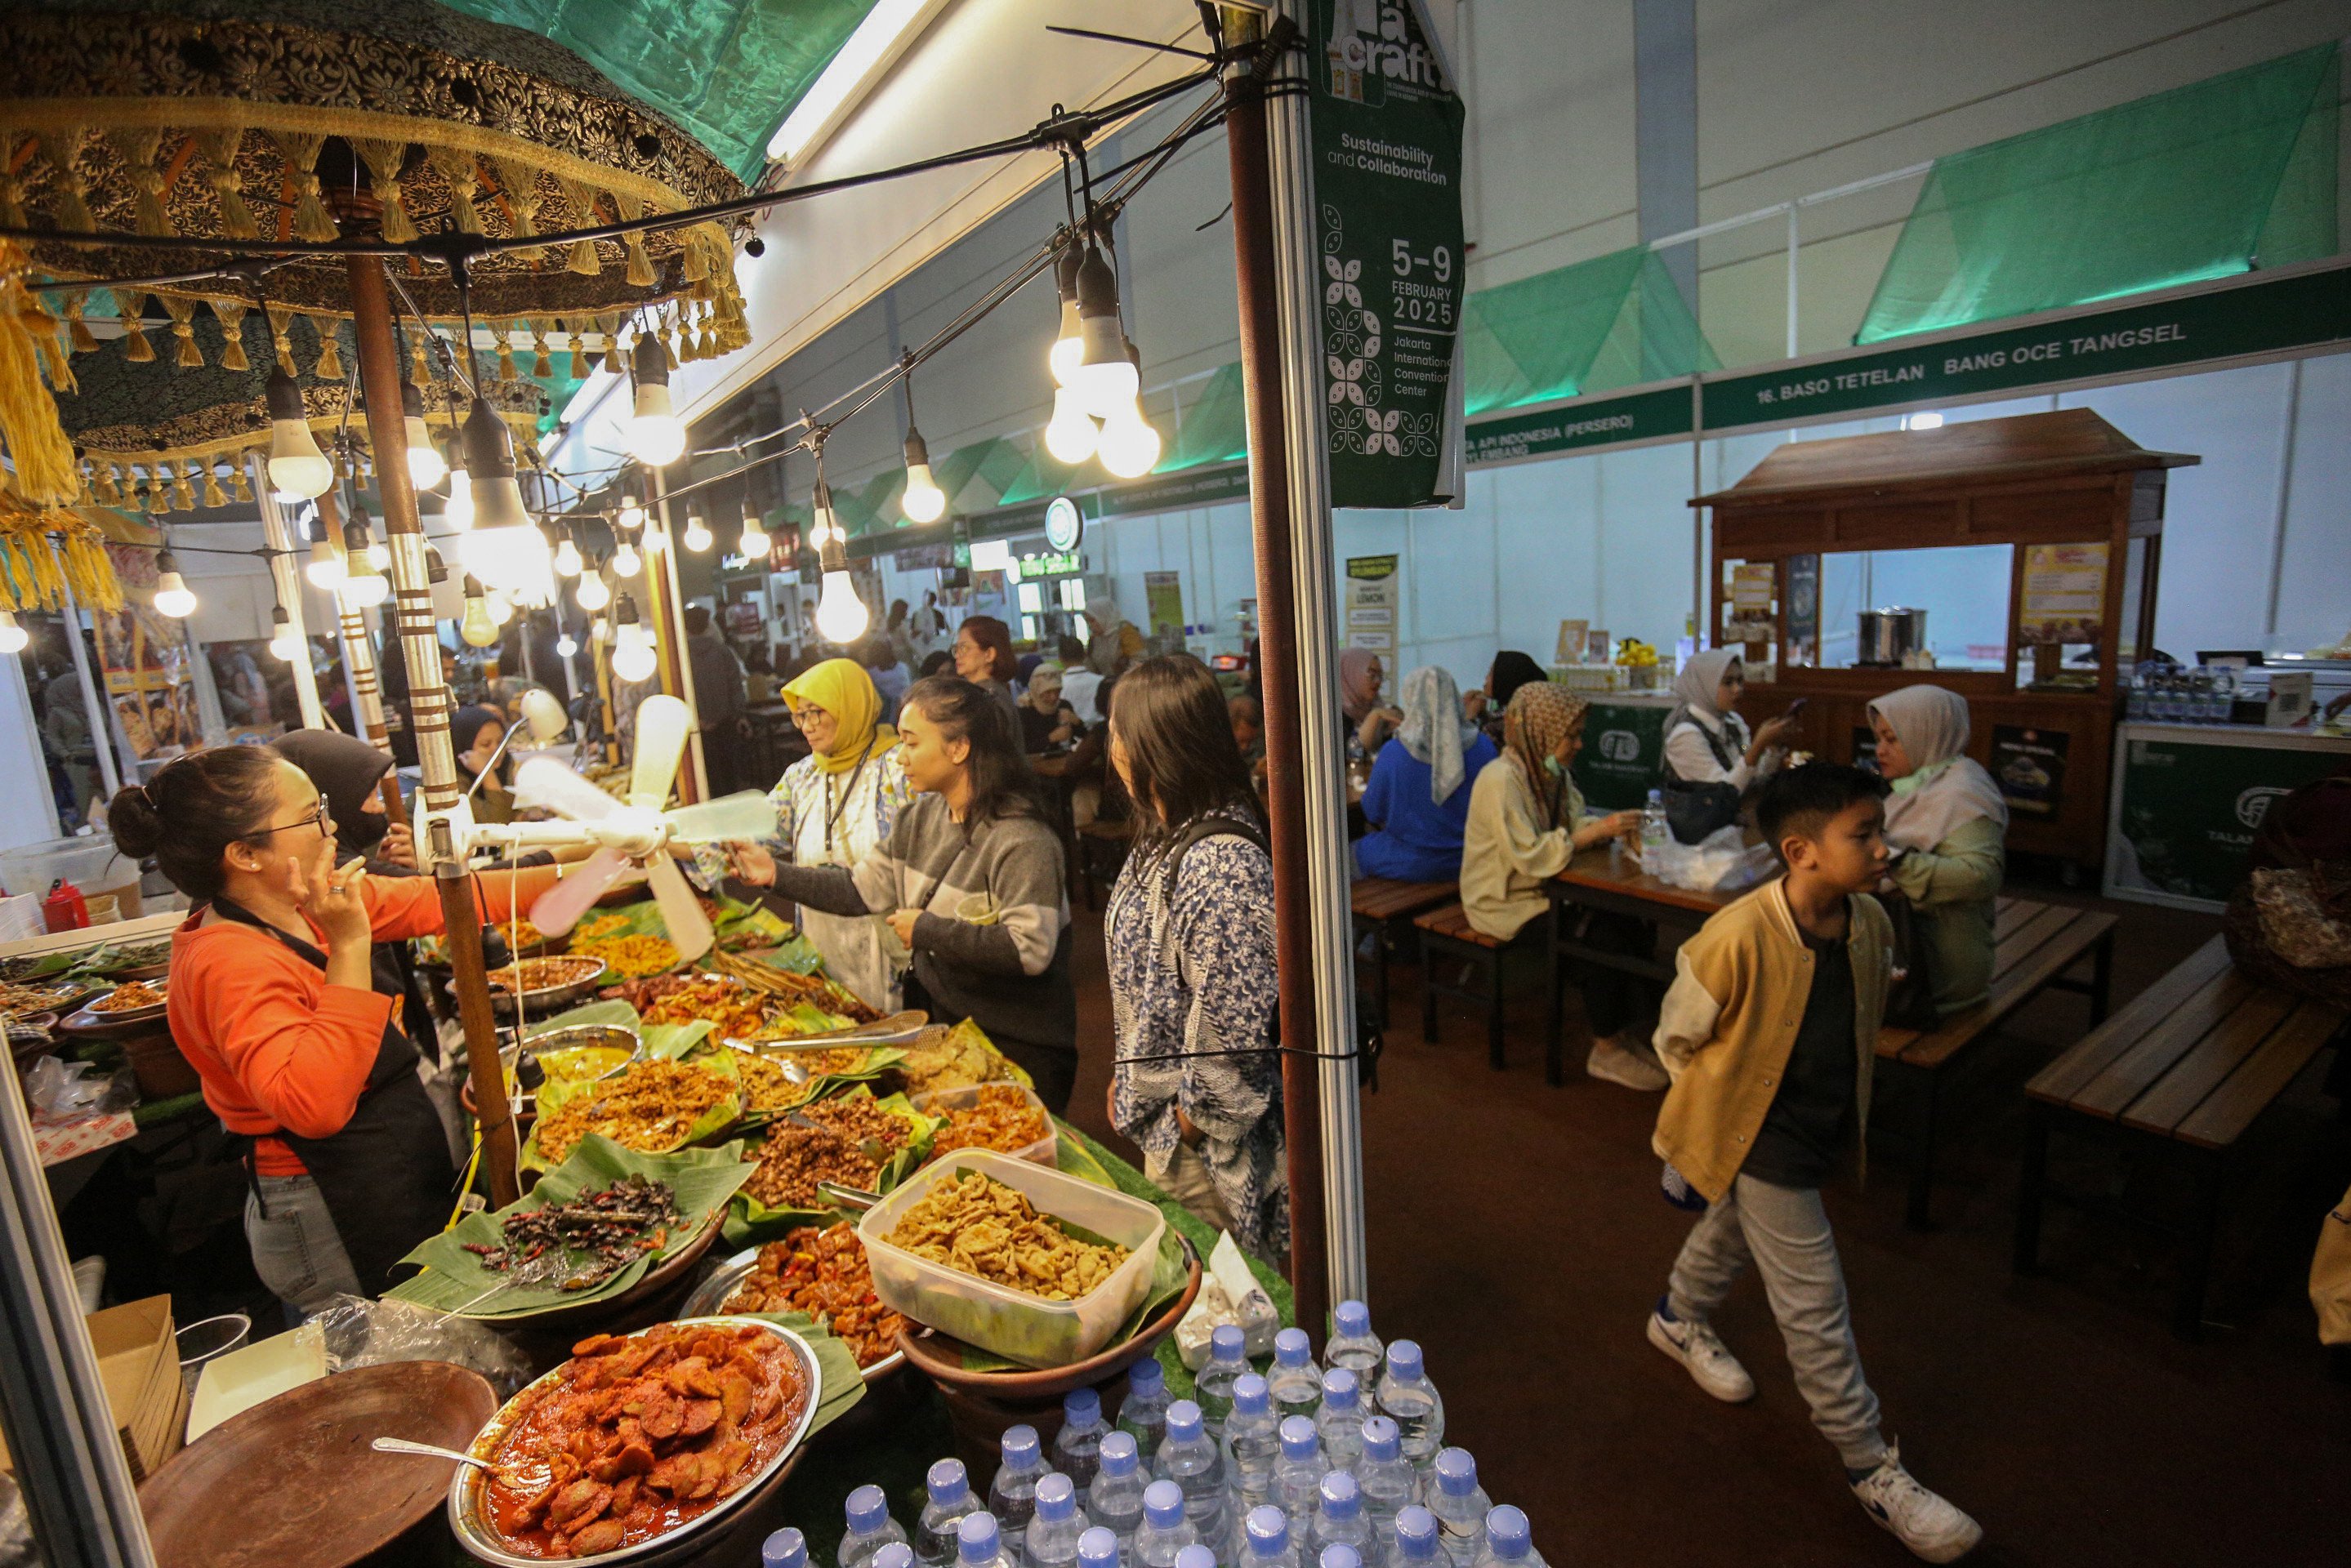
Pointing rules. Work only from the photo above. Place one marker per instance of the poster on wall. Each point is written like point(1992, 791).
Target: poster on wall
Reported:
point(1372, 606)
point(1385, 133)
point(2065, 597)
point(1162, 602)
point(2029, 765)
point(149, 663)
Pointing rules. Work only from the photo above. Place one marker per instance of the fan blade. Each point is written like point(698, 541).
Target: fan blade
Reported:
point(681, 911)
point(548, 782)
point(663, 723)
point(747, 814)
point(558, 908)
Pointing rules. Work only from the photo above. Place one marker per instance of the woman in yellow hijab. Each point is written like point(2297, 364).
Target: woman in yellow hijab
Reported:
point(832, 806)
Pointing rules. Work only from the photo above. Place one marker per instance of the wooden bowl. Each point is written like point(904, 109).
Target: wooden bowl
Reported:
point(292, 1482)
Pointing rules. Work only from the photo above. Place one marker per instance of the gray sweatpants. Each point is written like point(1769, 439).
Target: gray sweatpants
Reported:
point(1784, 1231)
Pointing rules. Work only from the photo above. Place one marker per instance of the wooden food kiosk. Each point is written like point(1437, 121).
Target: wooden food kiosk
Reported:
point(2076, 506)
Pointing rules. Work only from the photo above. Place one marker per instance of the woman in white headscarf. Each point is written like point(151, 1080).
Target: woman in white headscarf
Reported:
point(1948, 827)
point(1706, 740)
point(1418, 799)
point(1114, 642)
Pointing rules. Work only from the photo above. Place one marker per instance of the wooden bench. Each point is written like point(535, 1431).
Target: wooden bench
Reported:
point(2186, 1067)
point(1446, 934)
point(1376, 904)
point(2034, 945)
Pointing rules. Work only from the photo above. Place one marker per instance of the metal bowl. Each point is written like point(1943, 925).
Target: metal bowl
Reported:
point(577, 1035)
point(481, 1541)
point(710, 1296)
point(546, 999)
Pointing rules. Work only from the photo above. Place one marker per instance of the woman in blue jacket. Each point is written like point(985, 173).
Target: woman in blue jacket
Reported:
point(1418, 800)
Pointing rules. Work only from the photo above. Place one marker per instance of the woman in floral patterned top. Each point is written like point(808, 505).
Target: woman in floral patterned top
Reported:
point(1195, 1080)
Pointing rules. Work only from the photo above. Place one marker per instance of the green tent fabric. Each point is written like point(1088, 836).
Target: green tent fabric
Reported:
point(2206, 181)
point(1044, 475)
point(1616, 321)
point(1212, 428)
point(727, 71)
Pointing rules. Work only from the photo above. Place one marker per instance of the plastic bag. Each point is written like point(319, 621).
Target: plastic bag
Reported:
point(61, 1090)
point(1229, 1293)
point(1719, 863)
point(362, 1333)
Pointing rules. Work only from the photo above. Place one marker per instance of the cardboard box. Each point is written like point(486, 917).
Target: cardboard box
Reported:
point(139, 1363)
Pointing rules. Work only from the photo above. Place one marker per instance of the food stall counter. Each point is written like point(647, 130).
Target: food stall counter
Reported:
point(2187, 799)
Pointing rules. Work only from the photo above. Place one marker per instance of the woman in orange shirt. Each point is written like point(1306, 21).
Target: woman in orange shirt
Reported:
point(273, 1000)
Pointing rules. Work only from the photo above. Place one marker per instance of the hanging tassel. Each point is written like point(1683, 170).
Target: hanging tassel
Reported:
point(523, 201)
point(300, 150)
point(383, 159)
point(507, 374)
point(133, 309)
point(420, 367)
point(106, 485)
point(330, 360)
point(669, 348)
point(541, 365)
point(696, 258)
point(611, 326)
point(232, 322)
point(456, 166)
point(214, 495)
point(84, 340)
point(12, 190)
point(136, 146)
point(46, 471)
point(281, 325)
point(69, 206)
point(238, 483)
point(582, 202)
point(184, 497)
point(220, 148)
point(641, 266)
point(183, 312)
point(578, 366)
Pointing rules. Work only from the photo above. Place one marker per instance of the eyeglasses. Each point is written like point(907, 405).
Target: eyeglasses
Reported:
point(321, 818)
point(803, 717)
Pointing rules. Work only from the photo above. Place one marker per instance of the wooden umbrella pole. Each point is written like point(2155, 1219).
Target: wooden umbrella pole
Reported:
point(428, 718)
point(286, 572)
point(359, 664)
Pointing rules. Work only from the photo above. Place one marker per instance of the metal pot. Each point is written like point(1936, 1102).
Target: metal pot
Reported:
point(1889, 636)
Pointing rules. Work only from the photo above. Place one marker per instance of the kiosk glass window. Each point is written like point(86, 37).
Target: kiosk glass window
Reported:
point(1963, 589)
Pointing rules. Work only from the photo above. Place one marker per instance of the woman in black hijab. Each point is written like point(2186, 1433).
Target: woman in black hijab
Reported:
point(475, 732)
point(1509, 670)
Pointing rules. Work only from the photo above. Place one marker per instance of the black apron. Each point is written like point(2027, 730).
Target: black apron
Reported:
point(386, 1177)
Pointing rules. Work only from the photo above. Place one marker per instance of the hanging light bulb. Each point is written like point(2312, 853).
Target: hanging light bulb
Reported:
point(922, 501)
point(697, 533)
point(632, 515)
point(14, 639)
point(632, 647)
point(378, 555)
point(592, 594)
point(1130, 444)
point(490, 471)
point(656, 435)
point(282, 640)
point(325, 569)
point(841, 615)
point(458, 512)
point(1069, 344)
point(566, 646)
point(500, 607)
point(1070, 435)
point(364, 584)
point(755, 544)
point(567, 558)
point(475, 625)
point(436, 570)
point(1105, 376)
point(172, 596)
point(626, 563)
point(426, 466)
point(656, 536)
point(297, 466)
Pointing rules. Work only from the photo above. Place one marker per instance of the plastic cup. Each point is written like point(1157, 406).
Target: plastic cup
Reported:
point(209, 1340)
point(976, 908)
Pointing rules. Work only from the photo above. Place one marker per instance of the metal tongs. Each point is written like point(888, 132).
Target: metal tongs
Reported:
point(846, 1197)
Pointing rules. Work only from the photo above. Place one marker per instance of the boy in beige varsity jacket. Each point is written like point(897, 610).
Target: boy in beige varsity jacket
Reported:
point(1770, 1033)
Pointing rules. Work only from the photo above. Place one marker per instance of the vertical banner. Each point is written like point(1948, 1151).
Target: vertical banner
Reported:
point(1386, 148)
point(149, 663)
point(1162, 602)
point(1372, 606)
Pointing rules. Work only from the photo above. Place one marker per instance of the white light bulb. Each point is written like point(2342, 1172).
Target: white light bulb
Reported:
point(626, 563)
point(458, 511)
point(755, 544)
point(1106, 388)
point(698, 533)
point(632, 653)
point(656, 539)
point(286, 644)
point(1130, 444)
point(297, 466)
point(1068, 346)
point(325, 569)
point(841, 615)
point(426, 466)
point(172, 597)
point(13, 639)
point(594, 595)
point(924, 500)
point(1070, 435)
point(566, 646)
point(501, 607)
point(378, 555)
point(633, 516)
point(567, 559)
point(656, 435)
point(365, 590)
point(600, 630)
point(504, 557)
point(476, 627)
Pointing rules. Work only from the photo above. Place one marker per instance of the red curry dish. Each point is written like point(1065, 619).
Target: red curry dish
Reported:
point(639, 1435)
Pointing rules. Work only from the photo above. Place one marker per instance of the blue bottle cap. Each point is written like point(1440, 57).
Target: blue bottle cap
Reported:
point(1146, 1376)
point(1297, 1438)
point(1507, 1534)
point(1341, 1555)
point(1227, 1343)
point(1342, 1498)
point(1404, 1360)
point(946, 1482)
point(1057, 1497)
point(1291, 1348)
point(1119, 1454)
point(1339, 1389)
point(1415, 1530)
point(894, 1554)
point(1381, 1441)
point(1080, 1407)
point(1020, 1447)
point(1250, 1394)
point(976, 1538)
point(1354, 1319)
point(1184, 1421)
point(1196, 1557)
point(1457, 1472)
point(785, 1549)
point(1163, 1504)
point(1268, 1531)
point(1098, 1548)
point(868, 1508)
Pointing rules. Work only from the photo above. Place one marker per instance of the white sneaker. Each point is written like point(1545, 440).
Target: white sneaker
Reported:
point(1698, 1347)
point(1928, 1524)
point(1614, 1064)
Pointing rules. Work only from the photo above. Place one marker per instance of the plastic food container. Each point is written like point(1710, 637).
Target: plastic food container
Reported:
point(939, 1102)
point(89, 862)
point(1020, 1327)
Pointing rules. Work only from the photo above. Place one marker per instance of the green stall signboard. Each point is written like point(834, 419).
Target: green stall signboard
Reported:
point(1624, 754)
point(2187, 805)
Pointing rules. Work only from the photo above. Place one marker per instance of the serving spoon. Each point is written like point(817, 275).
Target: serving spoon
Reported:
point(427, 1450)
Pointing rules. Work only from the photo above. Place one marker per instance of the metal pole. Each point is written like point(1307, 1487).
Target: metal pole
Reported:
point(288, 579)
point(428, 718)
point(1793, 242)
point(669, 623)
point(102, 733)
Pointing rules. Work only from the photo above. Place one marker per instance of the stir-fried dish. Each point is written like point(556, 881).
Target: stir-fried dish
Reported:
point(578, 1245)
point(824, 1274)
point(649, 1107)
point(637, 1436)
point(544, 974)
point(131, 997)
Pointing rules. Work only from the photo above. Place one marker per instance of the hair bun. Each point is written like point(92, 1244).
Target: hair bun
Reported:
point(132, 819)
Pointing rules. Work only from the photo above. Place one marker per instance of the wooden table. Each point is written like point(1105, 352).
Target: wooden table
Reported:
point(1613, 881)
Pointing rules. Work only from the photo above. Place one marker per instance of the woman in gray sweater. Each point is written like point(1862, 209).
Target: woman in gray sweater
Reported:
point(970, 879)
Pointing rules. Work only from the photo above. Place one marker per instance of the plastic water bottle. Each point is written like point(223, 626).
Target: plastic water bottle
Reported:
point(1196, 1557)
point(1509, 1541)
point(1268, 1539)
point(948, 1500)
point(1387, 1479)
point(1098, 1548)
point(1340, 1422)
point(979, 1543)
point(1114, 1497)
point(1143, 1414)
point(1408, 1399)
point(1653, 823)
point(1252, 1442)
point(1051, 1538)
point(1165, 1531)
point(1195, 1462)
point(1077, 1447)
point(1298, 1476)
point(1461, 1505)
point(1417, 1539)
point(1228, 1362)
point(897, 1554)
point(1296, 1381)
point(1012, 1495)
point(1354, 1346)
point(871, 1528)
point(1340, 1557)
point(787, 1548)
point(1339, 1516)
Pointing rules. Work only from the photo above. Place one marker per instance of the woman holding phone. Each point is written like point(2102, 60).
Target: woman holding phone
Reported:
point(1706, 740)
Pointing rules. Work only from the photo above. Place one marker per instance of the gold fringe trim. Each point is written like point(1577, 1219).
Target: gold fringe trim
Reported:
point(300, 150)
point(330, 360)
point(214, 495)
point(70, 207)
point(456, 166)
point(383, 159)
point(541, 365)
point(583, 259)
point(520, 179)
point(47, 472)
point(220, 148)
point(136, 145)
point(640, 264)
point(231, 321)
point(281, 325)
point(183, 312)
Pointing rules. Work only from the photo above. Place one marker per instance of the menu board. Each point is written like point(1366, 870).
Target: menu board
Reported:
point(1162, 602)
point(2029, 765)
point(1372, 604)
point(1752, 584)
point(2065, 597)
